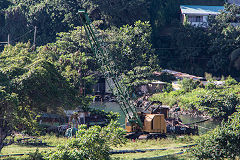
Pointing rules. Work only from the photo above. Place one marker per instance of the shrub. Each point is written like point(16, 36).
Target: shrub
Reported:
point(210, 86)
point(230, 81)
point(168, 88)
point(222, 142)
point(188, 84)
point(35, 156)
point(90, 144)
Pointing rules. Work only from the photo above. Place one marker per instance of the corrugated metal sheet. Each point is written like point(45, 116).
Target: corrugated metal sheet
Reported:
point(201, 10)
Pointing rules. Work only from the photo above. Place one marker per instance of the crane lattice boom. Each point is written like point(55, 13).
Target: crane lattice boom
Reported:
point(107, 68)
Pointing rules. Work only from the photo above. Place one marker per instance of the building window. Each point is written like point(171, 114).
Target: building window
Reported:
point(195, 18)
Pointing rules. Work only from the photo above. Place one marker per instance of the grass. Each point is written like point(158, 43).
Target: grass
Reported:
point(158, 143)
point(130, 156)
point(23, 149)
point(168, 143)
point(51, 140)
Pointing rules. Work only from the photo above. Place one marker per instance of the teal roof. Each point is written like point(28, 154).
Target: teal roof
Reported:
point(201, 10)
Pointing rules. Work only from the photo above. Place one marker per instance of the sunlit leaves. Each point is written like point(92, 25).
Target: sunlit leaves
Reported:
point(93, 143)
point(222, 142)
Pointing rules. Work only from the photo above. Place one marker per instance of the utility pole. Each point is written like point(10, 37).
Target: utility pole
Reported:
point(35, 34)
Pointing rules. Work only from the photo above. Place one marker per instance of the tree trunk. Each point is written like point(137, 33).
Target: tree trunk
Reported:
point(3, 136)
point(4, 132)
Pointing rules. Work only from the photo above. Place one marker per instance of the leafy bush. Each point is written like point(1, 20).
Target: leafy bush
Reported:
point(210, 86)
point(90, 144)
point(189, 84)
point(230, 81)
point(168, 88)
point(35, 156)
point(216, 102)
point(170, 98)
point(222, 142)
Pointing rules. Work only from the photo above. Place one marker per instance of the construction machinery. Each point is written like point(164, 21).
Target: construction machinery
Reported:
point(136, 122)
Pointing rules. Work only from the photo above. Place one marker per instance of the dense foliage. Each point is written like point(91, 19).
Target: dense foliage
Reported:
point(130, 46)
point(12, 115)
point(215, 101)
point(93, 143)
point(220, 143)
point(163, 16)
point(138, 76)
point(190, 49)
point(32, 81)
point(28, 83)
point(197, 50)
point(19, 17)
point(50, 17)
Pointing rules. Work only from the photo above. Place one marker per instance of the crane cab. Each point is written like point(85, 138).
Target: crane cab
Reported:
point(152, 123)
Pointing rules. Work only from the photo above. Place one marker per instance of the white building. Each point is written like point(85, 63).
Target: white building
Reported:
point(198, 15)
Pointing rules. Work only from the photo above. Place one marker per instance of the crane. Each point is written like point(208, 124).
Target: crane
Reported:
point(120, 90)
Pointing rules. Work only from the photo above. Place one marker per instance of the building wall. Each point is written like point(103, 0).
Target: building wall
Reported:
point(203, 23)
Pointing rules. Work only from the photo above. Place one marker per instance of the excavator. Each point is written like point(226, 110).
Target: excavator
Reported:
point(137, 123)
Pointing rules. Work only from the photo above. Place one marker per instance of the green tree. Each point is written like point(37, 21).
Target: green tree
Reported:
point(140, 75)
point(14, 16)
point(230, 81)
point(223, 33)
point(189, 85)
point(31, 83)
point(130, 46)
point(50, 18)
point(197, 50)
point(36, 80)
point(72, 57)
point(12, 115)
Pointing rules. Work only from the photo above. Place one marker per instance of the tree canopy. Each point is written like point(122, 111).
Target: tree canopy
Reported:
point(130, 46)
point(41, 80)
